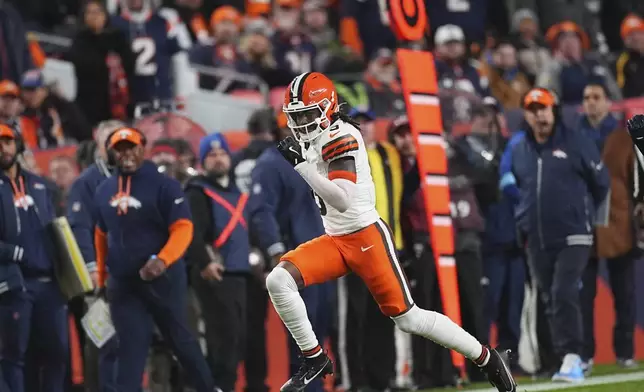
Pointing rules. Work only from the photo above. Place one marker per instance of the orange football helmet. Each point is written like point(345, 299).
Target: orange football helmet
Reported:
point(309, 103)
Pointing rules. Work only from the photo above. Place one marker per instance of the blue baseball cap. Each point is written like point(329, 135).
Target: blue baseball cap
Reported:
point(360, 112)
point(32, 79)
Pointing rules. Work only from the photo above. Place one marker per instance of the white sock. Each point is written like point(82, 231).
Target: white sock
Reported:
point(291, 308)
point(442, 330)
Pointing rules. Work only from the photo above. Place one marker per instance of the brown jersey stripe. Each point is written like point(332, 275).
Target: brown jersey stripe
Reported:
point(337, 142)
point(343, 149)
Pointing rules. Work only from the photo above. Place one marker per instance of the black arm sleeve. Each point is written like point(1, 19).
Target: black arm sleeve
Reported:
point(202, 221)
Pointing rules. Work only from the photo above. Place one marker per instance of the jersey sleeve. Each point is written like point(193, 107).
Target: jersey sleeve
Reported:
point(341, 144)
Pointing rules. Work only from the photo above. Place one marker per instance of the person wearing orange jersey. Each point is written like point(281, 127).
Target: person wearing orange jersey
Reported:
point(143, 229)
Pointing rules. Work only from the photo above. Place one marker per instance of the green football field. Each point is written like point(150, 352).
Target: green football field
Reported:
point(605, 378)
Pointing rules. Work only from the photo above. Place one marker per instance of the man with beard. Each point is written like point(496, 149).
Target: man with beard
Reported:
point(558, 181)
point(33, 311)
point(226, 23)
point(220, 256)
point(143, 229)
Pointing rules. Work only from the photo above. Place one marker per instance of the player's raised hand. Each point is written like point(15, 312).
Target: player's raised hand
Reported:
point(291, 150)
point(635, 127)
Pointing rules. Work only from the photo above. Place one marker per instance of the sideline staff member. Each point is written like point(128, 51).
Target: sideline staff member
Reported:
point(143, 229)
point(33, 311)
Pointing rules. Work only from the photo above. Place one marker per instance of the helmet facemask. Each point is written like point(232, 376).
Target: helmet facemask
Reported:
point(308, 122)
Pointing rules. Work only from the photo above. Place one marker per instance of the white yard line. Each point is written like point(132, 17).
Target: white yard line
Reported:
point(551, 386)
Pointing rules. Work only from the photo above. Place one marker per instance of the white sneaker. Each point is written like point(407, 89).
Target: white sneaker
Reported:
point(570, 370)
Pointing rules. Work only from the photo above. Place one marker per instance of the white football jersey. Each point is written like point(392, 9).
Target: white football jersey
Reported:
point(344, 140)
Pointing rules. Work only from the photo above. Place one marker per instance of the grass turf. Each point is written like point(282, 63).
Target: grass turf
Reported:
point(598, 371)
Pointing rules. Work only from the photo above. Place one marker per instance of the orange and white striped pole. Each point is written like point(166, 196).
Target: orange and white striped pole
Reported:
point(420, 89)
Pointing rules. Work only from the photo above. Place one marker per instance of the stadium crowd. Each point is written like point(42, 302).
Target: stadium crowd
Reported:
point(513, 77)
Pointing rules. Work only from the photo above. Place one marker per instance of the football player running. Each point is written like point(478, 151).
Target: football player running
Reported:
point(329, 153)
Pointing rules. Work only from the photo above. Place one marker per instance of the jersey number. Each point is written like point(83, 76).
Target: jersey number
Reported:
point(320, 203)
point(299, 62)
point(144, 49)
point(458, 5)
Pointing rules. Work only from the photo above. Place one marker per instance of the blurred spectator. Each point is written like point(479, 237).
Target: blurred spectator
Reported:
point(432, 365)
point(263, 130)
point(104, 66)
point(256, 48)
point(507, 83)
point(10, 109)
point(573, 66)
point(503, 261)
point(63, 170)
point(453, 68)
point(48, 117)
point(552, 173)
point(292, 48)
point(469, 15)
point(154, 38)
point(194, 14)
point(85, 154)
point(333, 56)
point(225, 23)
point(187, 158)
point(382, 86)
point(630, 64)
point(15, 58)
point(362, 27)
point(370, 347)
point(532, 52)
point(33, 311)
point(285, 214)
point(164, 155)
point(220, 252)
point(614, 237)
point(464, 178)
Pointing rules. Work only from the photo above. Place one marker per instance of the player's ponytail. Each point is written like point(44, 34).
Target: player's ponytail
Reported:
point(344, 117)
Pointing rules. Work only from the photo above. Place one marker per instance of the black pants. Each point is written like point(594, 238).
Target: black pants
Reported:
point(621, 275)
point(255, 356)
point(223, 307)
point(432, 363)
point(369, 359)
point(469, 269)
point(558, 273)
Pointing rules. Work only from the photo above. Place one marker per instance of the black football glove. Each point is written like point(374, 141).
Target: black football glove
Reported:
point(291, 151)
point(635, 128)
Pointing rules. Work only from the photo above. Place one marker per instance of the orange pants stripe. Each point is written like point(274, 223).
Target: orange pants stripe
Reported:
point(370, 253)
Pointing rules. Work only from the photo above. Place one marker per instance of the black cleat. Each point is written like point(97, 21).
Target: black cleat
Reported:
point(498, 372)
point(310, 369)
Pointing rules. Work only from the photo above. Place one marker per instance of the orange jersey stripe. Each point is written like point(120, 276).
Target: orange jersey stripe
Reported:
point(343, 174)
point(100, 243)
point(337, 142)
point(180, 238)
point(342, 149)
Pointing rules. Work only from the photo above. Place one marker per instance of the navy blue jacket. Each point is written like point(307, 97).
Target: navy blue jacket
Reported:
point(154, 43)
point(155, 202)
point(25, 244)
point(560, 184)
point(599, 134)
point(211, 216)
point(81, 209)
point(283, 210)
